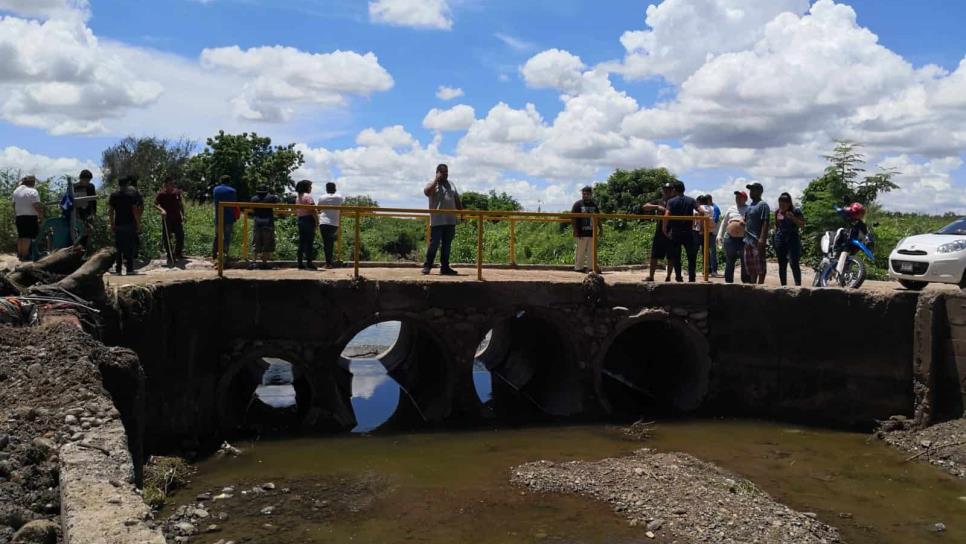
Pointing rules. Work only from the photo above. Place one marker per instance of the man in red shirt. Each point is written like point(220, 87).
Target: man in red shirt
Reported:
point(169, 204)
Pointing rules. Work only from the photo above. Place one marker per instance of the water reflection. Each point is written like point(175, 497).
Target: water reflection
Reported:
point(276, 389)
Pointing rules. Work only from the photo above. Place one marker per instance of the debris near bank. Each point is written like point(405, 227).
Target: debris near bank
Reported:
point(677, 496)
point(942, 445)
point(162, 477)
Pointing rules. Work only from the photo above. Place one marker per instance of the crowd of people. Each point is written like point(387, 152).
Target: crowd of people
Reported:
point(742, 231)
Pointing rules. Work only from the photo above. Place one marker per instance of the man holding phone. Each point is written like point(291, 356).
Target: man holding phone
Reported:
point(442, 196)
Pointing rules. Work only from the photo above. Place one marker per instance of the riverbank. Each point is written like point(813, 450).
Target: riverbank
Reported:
point(942, 445)
point(679, 497)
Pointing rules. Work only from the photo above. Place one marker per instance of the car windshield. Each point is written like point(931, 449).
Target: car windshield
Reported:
point(956, 227)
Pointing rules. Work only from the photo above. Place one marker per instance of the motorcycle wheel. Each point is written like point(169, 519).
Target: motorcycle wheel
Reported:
point(854, 274)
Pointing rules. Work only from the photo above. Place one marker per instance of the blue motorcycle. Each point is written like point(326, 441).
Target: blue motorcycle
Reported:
point(841, 264)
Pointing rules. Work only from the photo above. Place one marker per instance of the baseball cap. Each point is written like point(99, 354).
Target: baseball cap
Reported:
point(755, 185)
point(86, 174)
point(742, 194)
point(667, 185)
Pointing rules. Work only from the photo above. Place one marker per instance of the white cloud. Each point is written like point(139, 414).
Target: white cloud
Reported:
point(42, 166)
point(685, 34)
point(433, 14)
point(554, 69)
point(284, 77)
point(924, 185)
point(459, 117)
point(448, 93)
point(47, 9)
point(517, 44)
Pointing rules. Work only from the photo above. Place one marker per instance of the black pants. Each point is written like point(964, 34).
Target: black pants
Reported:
point(126, 241)
point(306, 238)
point(789, 253)
point(685, 240)
point(176, 230)
point(329, 234)
point(440, 235)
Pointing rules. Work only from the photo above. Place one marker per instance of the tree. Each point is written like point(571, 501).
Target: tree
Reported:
point(362, 201)
point(150, 159)
point(625, 191)
point(473, 200)
point(248, 159)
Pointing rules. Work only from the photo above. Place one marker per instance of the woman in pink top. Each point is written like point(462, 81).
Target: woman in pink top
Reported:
point(307, 219)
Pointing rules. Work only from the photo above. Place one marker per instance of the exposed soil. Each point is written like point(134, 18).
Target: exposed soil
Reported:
point(675, 496)
point(943, 445)
point(50, 394)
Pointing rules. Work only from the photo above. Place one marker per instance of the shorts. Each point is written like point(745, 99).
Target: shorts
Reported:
point(660, 245)
point(753, 261)
point(28, 226)
point(264, 239)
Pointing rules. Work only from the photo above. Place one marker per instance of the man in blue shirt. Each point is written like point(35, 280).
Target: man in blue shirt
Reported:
point(224, 192)
point(757, 217)
point(713, 238)
point(679, 231)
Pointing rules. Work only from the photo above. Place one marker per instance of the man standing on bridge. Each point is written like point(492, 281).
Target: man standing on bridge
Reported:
point(442, 196)
point(757, 217)
point(679, 231)
point(224, 192)
point(584, 230)
point(329, 221)
point(660, 243)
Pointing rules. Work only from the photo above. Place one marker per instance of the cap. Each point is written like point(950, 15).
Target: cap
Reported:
point(668, 185)
point(755, 185)
point(742, 194)
point(85, 174)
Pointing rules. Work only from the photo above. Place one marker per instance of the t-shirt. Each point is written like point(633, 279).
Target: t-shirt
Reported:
point(716, 216)
point(659, 231)
point(24, 199)
point(785, 228)
point(330, 217)
point(225, 193)
point(304, 198)
point(85, 208)
point(734, 213)
point(685, 206)
point(707, 211)
point(756, 217)
point(171, 204)
point(584, 224)
point(264, 217)
point(124, 201)
point(444, 198)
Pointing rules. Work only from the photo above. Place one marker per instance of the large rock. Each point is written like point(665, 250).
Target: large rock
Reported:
point(40, 531)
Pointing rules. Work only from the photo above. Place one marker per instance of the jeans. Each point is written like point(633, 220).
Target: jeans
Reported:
point(691, 250)
point(713, 252)
point(228, 229)
point(789, 253)
point(126, 241)
point(440, 235)
point(176, 230)
point(306, 250)
point(733, 248)
point(329, 234)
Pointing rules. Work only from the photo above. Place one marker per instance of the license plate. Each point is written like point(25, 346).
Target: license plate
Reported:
point(905, 267)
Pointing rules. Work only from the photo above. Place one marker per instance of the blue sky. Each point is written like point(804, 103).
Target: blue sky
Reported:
point(671, 94)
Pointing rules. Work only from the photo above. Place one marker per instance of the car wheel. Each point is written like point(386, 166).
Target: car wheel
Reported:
point(913, 285)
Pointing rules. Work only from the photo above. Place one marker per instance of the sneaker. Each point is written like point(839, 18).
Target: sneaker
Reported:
point(133, 273)
point(448, 272)
point(425, 270)
point(301, 266)
point(311, 266)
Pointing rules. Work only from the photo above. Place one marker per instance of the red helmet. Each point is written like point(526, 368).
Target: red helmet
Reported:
point(855, 210)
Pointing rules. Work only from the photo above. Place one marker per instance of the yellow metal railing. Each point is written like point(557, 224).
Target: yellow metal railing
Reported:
point(512, 217)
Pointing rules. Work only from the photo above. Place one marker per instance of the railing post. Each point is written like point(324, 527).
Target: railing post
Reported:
point(245, 234)
point(355, 249)
point(513, 242)
point(479, 247)
point(707, 250)
point(220, 234)
point(595, 224)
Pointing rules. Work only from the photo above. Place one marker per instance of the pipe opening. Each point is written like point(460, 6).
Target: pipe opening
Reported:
point(482, 378)
point(269, 395)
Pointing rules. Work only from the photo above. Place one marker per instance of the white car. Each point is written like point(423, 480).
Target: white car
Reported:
point(931, 258)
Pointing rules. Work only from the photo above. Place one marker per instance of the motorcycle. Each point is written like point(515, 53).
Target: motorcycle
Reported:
point(841, 263)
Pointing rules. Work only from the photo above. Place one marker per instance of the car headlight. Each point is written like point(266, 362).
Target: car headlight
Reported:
point(952, 247)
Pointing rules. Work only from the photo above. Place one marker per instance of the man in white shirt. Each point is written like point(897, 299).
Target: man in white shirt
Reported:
point(329, 221)
point(29, 213)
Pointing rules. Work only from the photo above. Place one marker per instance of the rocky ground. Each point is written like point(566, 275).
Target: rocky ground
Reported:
point(943, 445)
point(267, 511)
point(50, 394)
point(677, 498)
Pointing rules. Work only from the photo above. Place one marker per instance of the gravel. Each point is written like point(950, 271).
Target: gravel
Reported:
point(677, 496)
point(943, 445)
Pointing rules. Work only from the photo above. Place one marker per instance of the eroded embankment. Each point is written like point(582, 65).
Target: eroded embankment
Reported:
point(680, 497)
point(66, 471)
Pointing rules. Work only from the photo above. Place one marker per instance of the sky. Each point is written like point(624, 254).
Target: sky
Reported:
point(535, 98)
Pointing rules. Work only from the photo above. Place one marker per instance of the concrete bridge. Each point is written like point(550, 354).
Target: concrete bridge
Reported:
point(558, 351)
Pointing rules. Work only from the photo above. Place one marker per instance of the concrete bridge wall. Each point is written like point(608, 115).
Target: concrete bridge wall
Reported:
point(558, 350)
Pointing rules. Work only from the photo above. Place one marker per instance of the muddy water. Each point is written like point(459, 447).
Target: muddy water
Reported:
point(451, 487)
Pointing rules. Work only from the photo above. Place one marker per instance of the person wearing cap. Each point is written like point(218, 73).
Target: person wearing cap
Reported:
point(169, 204)
point(584, 230)
point(28, 213)
point(224, 192)
point(731, 236)
point(757, 219)
point(680, 231)
point(85, 205)
point(263, 232)
point(659, 243)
